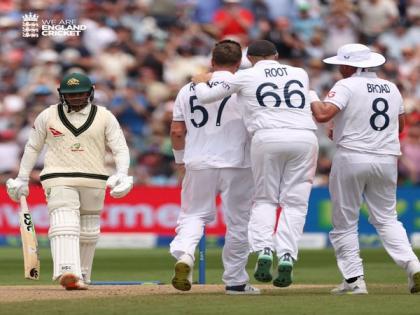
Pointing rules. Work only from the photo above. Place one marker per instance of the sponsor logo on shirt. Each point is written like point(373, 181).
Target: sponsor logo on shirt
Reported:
point(76, 147)
point(55, 132)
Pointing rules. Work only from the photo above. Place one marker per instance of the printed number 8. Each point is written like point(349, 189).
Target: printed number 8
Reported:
point(379, 113)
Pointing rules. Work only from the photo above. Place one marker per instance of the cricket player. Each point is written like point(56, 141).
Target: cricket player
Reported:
point(213, 144)
point(368, 114)
point(284, 150)
point(74, 177)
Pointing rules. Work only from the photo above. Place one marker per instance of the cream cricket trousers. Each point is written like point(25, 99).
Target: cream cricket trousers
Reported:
point(74, 228)
point(198, 208)
point(283, 165)
point(356, 176)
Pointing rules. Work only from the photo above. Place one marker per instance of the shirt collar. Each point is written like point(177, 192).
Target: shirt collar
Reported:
point(267, 62)
point(365, 74)
point(84, 111)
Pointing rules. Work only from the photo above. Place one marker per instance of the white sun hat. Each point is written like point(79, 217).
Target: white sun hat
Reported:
point(356, 55)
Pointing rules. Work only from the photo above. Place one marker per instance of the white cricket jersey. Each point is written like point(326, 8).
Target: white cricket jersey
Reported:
point(368, 117)
point(274, 96)
point(216, 134)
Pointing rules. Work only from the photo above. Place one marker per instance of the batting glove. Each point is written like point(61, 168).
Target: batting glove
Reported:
point(17, 188)
point(120, 184)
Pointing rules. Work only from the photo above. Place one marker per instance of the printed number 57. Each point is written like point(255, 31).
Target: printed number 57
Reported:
point(205, 113)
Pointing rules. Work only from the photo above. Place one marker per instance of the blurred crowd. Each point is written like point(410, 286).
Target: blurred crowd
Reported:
point(139, 53)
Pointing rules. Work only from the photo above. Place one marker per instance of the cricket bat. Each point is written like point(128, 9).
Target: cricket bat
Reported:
point(29, 242)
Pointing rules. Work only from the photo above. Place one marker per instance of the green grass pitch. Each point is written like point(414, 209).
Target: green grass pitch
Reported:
point(387, 285)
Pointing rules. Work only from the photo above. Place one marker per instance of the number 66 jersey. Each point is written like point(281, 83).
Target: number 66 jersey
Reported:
point(368, 117)
point(216, 134)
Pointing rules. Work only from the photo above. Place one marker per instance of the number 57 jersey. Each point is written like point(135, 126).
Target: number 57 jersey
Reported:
point(369, 112)
point(216, 134)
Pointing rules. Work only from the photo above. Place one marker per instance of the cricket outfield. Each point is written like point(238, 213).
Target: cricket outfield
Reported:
point(315, 275)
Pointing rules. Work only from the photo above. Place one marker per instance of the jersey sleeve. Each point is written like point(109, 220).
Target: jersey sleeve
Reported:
point(401, 106)
point(34, 145)
point(115, 140)
point(339, 95)
point(180, 104)
point(206, 94)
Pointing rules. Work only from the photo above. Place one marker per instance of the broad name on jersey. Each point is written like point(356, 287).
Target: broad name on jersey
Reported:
point(275, 72)
point(378, 88)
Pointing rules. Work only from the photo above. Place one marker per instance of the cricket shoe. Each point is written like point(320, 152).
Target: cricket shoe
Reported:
point(357, 287)
point(263, 268)
point(244, 289)
point(285, 271)
point(413, 270)
point(72, 282)
point(182, 279)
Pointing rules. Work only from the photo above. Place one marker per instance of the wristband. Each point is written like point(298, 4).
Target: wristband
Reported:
point(179, 156)
point(313, 97)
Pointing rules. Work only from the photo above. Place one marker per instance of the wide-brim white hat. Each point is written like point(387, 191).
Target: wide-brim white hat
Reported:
point(356, 55)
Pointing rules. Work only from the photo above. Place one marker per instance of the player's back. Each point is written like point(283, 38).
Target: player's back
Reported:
point(216, 134)
point(369, 121)
point(275, 96)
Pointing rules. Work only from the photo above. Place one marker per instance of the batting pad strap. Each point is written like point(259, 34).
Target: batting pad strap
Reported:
point(179, 156)
point(64, 222)
point(89, 228)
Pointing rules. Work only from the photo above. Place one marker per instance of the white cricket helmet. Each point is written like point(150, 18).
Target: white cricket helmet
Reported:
point(356, 55)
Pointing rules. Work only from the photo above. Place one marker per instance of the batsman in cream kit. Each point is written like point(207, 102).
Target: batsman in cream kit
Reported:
point(74, 176)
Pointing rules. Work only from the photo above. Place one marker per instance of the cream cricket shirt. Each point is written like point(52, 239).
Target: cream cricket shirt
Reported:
point(368, 117)
point(274, 96)
point(216, 134)
point(76, 144)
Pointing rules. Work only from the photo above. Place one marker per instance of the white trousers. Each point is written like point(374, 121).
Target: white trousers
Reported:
point(354, 177)
point(74, 227)
point(198, 208)
point(283, 165)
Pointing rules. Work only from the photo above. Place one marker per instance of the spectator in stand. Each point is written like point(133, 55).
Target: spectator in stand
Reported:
point(233, 19)
point(376, 17)
point(410, 159)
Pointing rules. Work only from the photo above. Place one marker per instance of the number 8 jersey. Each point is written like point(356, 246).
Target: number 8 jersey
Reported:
point(368, 117)
point(216, 134)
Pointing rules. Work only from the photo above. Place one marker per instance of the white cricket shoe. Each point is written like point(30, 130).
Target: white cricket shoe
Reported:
point(182, 279)
point(357, 287)
point(413, 271)
point(72, 282)
point(244, 289)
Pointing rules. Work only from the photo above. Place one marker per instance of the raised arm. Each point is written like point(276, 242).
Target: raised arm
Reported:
point(206, 94)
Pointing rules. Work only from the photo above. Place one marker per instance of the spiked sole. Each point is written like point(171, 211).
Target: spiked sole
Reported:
point(180, 280)
point(284, 277)
point(263, 271)
point(416, 280)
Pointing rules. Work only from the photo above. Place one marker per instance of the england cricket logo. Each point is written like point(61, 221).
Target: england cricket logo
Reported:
point(30, 25)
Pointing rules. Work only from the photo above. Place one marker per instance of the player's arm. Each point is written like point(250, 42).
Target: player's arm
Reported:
point(115, 140)
point(401, 122)
point(18, 186)
point(206, 94)
point(120, 183)
point(178, 128)
point(323, 111)
point(335, 101)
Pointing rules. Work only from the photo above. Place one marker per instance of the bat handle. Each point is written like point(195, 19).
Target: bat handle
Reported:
point(23, 203)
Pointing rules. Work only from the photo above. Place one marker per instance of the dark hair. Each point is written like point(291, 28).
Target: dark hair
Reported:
point(261, 48)
point(227, 53)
